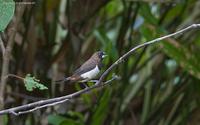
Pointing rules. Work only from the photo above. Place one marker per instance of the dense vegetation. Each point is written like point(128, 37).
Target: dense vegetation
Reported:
point(159, 85)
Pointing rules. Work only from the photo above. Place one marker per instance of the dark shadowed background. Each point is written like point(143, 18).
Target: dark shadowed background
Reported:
point(159, 85)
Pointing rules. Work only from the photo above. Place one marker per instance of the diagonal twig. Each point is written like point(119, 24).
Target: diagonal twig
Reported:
point(51, 102)
point(39, 107)
point(7, 54)
point(126, 55)
point(2, 47)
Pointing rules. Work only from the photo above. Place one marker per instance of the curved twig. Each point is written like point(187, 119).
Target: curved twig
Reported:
point(51, 102)
point(126, 55)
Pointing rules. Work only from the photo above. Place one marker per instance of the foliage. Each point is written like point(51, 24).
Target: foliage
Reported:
point(159, 84)
point(7, 8)
point(32, 83)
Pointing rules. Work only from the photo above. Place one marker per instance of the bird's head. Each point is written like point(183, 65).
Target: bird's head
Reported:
point(99, 55)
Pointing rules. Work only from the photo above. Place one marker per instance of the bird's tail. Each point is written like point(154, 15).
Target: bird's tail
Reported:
point(65, 80)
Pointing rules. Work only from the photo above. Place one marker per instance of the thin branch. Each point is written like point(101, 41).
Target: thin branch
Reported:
point(50, 102)
point(39, 107)
point(126, 55)
point(7, 54)
point(2, 47)
point(14, 76)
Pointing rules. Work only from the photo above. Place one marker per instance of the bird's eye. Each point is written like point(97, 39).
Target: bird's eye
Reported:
point(100, 55)
point(103, 55)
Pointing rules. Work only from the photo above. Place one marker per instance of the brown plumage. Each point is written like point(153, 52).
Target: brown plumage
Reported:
point(91, 67)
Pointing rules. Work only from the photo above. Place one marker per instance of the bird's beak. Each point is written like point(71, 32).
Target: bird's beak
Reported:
point(104, 56)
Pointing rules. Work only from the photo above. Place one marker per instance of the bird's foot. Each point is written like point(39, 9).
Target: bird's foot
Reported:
point(85, 85)
point(95, 81)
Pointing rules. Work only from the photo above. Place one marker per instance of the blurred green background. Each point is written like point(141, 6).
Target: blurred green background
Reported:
point(159, 85)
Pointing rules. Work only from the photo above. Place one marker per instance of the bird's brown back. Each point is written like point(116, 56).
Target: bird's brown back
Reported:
point(88, 65)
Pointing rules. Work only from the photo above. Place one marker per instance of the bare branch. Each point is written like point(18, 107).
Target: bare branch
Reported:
point(51, 102)
point(7, 54)
point(39, 107)
point(2, 47)
point(14, 76)
point(126, 55)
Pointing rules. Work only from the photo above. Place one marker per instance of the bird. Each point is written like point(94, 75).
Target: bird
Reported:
point(88, 70)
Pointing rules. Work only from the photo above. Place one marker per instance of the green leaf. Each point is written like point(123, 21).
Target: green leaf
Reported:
point(102, 109)
point(113, 8)
point(7, 8)
point(107, 43)
point(145, 11)
point(70, 122)
point(32, 83)
point(60, 120)
point(187, 59)
point(183, 56)
point(76, 114)
point(55, 119)
point(147, 33)
point(5, 119)
point(173, 12)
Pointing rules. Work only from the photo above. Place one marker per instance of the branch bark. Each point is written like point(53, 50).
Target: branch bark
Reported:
point(54, 101)
point(2, 47)
point(51, 102)
point(7, 54)
point(126, 55)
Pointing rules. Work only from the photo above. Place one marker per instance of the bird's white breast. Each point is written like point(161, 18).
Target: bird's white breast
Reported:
point(91, 74)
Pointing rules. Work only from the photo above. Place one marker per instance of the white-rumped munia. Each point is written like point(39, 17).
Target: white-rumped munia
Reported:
point(88, 70)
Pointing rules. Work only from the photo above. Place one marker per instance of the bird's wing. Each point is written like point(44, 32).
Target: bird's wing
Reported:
point(87, 66)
